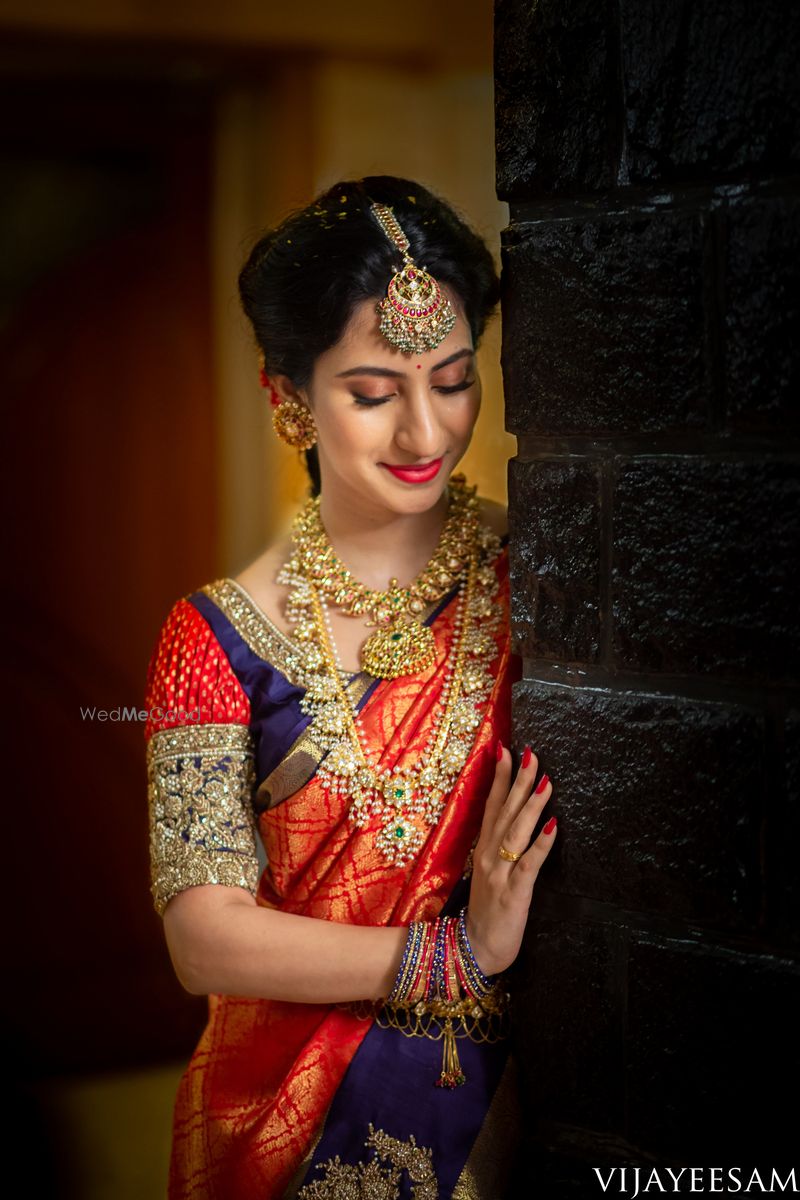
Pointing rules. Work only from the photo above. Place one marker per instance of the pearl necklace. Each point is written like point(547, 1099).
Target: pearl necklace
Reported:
point(409, 801)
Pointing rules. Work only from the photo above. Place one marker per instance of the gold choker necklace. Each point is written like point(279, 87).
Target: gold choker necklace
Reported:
point(402, 644)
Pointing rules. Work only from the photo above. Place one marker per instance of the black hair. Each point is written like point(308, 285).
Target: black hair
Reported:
point(303, 279)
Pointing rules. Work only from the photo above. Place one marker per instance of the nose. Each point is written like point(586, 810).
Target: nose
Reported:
point(419, 433)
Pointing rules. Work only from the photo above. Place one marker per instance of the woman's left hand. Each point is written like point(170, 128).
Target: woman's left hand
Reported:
point(502, 884)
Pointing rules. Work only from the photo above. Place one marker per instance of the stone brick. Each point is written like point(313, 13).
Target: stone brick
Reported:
point(570, 1069)
point(552, 71)
point(710, 88)
point(604, 326)
point(711, 1037)
point(783, 839)
point(659, 800)
point(762, 315)
point(554, 523)
point(703, 577)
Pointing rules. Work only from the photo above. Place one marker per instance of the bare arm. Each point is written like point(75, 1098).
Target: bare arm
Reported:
point(221, 941)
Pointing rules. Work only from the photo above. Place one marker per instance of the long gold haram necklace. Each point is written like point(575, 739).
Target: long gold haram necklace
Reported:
point(402, 644)
point(408, 800)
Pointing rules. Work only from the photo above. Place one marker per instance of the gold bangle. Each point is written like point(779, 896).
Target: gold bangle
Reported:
point(508, 855)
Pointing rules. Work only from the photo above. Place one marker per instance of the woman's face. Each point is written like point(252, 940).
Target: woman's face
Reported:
point(376, 407)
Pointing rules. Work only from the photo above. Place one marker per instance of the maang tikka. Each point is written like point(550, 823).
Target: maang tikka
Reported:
point(414, 315)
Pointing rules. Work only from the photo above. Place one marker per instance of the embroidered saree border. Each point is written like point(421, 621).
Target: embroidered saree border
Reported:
point(200, 781)
point(257, 630)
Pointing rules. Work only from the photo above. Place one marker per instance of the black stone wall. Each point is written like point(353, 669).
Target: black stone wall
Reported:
point(649, 150)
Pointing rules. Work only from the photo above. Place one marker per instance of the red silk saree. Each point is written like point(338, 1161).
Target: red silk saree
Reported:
point(286, 1099)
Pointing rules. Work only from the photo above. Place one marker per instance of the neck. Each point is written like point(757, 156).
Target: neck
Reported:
point(376, 544)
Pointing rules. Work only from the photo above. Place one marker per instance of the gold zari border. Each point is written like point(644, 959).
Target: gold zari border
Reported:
point(258, 631)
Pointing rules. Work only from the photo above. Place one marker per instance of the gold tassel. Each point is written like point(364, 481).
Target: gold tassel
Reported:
point(452, 1076)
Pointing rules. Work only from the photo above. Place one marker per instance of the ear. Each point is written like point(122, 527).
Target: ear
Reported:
point(287, 390)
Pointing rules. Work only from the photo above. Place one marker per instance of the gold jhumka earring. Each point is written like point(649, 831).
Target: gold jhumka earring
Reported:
point(294, 424)
point(292, 420)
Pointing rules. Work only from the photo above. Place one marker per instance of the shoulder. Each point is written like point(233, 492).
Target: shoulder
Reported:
point(494, 514)
point(183, 629)
point(189, 676)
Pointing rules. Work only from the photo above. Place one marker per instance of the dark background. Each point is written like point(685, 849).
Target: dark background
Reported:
point(649, 153)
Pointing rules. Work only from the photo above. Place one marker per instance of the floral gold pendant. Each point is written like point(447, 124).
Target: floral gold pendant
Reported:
point(399, 648)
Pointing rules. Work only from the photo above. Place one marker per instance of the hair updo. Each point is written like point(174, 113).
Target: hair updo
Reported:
point(302, 280)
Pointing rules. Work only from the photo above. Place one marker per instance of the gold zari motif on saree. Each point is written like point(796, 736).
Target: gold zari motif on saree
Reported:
point(378, 1178)
point(200, 781)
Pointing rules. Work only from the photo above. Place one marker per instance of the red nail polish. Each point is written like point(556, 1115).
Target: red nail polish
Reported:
point(526, 757)
point(541, 785)
point(550, 825)
point(499, 749)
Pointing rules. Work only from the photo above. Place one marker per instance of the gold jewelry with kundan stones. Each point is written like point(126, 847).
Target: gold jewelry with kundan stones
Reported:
point(408, 800)
point(294, 424)
point(414, 315)
point(402, 644)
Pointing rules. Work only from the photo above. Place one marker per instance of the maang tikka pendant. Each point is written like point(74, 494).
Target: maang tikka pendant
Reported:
point(414, 315)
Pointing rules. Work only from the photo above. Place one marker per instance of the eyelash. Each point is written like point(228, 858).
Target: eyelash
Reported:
point(374, 401)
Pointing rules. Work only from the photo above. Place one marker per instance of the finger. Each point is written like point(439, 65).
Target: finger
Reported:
point(527, 869)
point(517, 834)
point(505, 798)
point(517, 797)
point(497, 793)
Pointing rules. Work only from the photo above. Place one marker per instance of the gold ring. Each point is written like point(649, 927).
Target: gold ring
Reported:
point(508, 855)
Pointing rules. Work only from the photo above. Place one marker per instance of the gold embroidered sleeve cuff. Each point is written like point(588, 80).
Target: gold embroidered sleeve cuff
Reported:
point(200, 783)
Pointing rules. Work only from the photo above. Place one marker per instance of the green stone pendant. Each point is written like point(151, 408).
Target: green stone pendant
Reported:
point(399, 648)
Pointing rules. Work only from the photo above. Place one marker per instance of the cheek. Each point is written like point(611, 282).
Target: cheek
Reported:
point(468, 414)
point(348, 430)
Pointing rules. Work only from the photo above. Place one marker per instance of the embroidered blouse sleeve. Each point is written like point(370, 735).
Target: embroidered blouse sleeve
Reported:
point(200, 763)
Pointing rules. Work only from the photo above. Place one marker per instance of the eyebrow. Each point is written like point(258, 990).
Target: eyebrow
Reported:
point(386, 371)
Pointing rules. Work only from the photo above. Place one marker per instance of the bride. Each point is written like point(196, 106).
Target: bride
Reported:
point(345, 702)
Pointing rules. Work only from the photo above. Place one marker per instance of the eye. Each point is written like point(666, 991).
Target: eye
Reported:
point(370, 401)
point(373, 401)
point(457, 387)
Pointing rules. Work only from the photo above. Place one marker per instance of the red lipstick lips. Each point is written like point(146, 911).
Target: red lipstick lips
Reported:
point(420, 474)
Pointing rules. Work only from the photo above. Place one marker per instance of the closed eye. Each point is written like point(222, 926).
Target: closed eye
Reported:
point(457, 387)
point(372, 401)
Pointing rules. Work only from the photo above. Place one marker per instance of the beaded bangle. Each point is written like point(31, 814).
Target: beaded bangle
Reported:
point(440, 992)
point(408, 961)
point(438, 962)
point(420, 981)
point(478, 981)
point(435, 983)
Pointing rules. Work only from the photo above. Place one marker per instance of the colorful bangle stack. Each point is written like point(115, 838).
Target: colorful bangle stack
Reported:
point(440, 992)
